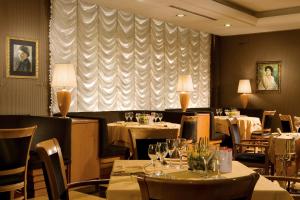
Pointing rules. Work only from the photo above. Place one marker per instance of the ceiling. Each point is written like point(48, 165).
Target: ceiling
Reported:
point(245, 16)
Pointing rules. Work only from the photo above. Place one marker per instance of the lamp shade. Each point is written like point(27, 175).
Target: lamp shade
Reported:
point(185, 83)
point(244, 86)
point(63, 76)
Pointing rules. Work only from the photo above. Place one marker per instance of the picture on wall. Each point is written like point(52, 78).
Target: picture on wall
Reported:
point(268, 76)
point(22, 58)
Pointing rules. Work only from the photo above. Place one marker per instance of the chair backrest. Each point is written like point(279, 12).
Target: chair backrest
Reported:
point(234, 131)
point(188, 128)
point(267, 119)
point(14, 156)
point(142, 137)
point(297, 123)
point(54, 169)
point(286, 123)
point(212, 189)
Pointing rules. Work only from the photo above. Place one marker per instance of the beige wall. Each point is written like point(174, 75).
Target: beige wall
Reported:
point(237, 60)
point(25, 19)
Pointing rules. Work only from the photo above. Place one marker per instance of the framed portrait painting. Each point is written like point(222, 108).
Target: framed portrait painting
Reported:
point(268, 76)
point(22, 58)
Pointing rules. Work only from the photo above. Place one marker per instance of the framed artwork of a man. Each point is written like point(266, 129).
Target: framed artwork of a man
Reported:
point(22, 58)
point(268, 76)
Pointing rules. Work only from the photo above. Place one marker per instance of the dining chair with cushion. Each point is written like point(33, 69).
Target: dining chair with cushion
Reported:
point(252, 153)
point(188, 128)
point(142, 137)
point(212, 189)
point(286, 123)
point(55, 176)
point(14, 156)
point(267, 120)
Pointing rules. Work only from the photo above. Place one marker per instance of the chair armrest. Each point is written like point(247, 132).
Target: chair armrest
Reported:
point(252, 145)
point(88, 182)
point(267, 130)
point(255, 140)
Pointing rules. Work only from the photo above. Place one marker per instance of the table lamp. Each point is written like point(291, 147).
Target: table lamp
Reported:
point(244, 89)
point(184, 86)
point(63, 77)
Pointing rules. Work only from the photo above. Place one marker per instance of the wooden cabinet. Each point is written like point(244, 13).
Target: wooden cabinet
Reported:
point(85, 163)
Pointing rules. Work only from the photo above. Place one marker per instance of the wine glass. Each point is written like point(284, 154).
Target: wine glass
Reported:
point(131, 116)
point(126, 116)
point(171, 145)
point(156, 117)
point(161, 151)
point(152, 154)
point(181, 147)
point(137, 116)
point(160, 116)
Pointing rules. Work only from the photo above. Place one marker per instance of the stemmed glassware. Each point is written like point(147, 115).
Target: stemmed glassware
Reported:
point(181, 147)
point(206, 153)
point(161, 151)
point(152, 154)
point(131, 116)
point(126, 116)
point(171, 145)
point(137, 116)
point(160, 116)
point(219, 111)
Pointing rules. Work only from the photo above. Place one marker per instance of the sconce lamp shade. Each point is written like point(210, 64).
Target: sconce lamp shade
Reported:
point(184, 86)
point(185, 83)
point(63, 76)
point(244, 87)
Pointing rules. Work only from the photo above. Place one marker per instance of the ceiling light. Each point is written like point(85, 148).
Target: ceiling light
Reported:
point(227, 25)
point(180, 15)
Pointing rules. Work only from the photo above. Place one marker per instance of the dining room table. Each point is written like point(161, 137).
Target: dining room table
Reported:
point(123, 181)
point(245, 123)
point(118, 132)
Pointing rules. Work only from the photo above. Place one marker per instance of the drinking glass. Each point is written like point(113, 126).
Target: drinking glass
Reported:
point(137, 116)
point(181, 147)
point(126, 116)
point(171, 145)
point(153, 115)
point(152, 154)
point(161, 151)
point(160, 116)
point(131, 116)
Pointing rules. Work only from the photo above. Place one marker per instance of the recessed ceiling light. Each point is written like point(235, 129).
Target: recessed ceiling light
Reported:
point(180, 15)
point(227, 25)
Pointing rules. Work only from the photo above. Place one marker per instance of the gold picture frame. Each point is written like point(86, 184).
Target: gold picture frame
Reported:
point(268, 76)
point(22, 58)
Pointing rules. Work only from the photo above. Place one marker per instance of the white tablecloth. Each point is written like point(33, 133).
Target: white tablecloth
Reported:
point(118, 131)
point(246, 125)
point(127, 188)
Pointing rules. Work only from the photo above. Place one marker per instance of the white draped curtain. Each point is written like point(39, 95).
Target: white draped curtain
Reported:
point(125, 61)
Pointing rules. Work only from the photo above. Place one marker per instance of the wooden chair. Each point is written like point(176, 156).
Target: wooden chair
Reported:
point(291, 184)
point(256, 157)
point(55, 176)
point(286, 123)
point(266, 124)
point(141, 138)
point(212, 189)
point(188, 128)
point(14, 156)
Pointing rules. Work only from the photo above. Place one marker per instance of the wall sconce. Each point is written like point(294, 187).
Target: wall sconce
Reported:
point(184, 86)
point(244, 89)
point(63, 77)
